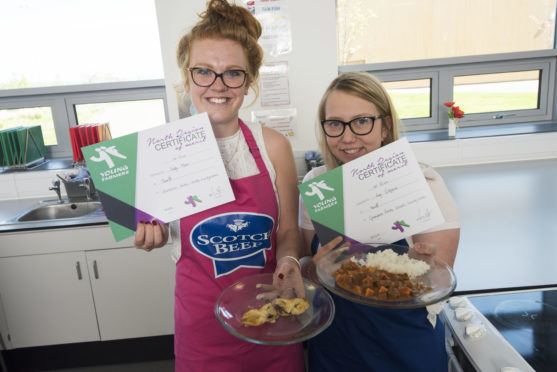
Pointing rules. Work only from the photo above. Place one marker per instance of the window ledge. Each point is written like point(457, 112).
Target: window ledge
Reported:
point(480, 132)
point(483, 145)
point(47, 165)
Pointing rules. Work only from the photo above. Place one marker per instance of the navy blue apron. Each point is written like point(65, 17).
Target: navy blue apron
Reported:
point(364, 338)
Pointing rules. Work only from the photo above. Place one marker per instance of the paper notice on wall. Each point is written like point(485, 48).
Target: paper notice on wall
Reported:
point(276, 38)
point(274, 83)
point(283, 120)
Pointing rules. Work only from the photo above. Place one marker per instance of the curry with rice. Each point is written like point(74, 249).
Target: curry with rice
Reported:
point(372, 282)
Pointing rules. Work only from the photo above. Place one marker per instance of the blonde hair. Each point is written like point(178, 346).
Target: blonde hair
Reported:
point(222, 20)
point(369, 88)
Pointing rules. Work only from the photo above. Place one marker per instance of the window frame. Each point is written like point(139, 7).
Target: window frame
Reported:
point(513, 116)
point(58, 111)
point(433, 77)
point(444, 70)
point(62, 101)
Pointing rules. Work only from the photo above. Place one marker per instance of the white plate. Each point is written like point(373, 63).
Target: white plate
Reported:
point(239, 297)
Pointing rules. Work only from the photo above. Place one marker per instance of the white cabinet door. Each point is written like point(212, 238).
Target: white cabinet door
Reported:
point(47, 299)
point(133, 291)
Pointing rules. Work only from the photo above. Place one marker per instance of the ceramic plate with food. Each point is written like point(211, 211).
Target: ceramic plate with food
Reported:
point(386, 275)
point(278, 322)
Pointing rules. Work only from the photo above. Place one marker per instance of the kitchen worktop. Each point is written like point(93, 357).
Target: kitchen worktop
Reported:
point(43, 165)
point(508, 214)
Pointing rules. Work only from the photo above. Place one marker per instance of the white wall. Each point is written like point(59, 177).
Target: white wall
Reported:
point(312, 63)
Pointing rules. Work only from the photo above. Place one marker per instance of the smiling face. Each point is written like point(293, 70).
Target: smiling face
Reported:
point(221, 103)
point(345, 107)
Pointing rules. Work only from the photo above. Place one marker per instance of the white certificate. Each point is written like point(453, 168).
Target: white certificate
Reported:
point(381, 197)
point(159, 174)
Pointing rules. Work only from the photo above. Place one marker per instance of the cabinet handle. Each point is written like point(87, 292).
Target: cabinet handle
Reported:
point(78, 269)
point(95, 269)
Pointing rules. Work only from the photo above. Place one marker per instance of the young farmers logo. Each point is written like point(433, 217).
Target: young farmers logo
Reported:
point(316, 189)
point(397, 225)
point(324, 201)
point(192, 199)
point(104, 155)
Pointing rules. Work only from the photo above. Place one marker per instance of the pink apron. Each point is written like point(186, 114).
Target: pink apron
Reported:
point(220, 246)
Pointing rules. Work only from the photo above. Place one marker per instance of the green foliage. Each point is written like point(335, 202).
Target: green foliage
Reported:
point(474, 103)
point(413, 105)
point(16, 83)
point(30, 117)
point(416, 105)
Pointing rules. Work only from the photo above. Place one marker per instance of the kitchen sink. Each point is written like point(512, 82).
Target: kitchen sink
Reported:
point(60, 211)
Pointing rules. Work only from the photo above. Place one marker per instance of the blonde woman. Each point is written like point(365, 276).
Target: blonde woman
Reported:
point(356, 117)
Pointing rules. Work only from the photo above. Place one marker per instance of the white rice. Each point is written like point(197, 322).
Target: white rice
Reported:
point(392, 262)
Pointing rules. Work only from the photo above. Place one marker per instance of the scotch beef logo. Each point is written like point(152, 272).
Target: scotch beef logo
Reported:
point(233, 240)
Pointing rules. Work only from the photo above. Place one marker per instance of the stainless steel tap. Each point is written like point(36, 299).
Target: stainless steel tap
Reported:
point(87, 186)
point(56, 188)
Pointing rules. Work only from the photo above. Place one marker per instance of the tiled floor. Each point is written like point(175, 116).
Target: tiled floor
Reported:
point(153, 366)
point(138, 355)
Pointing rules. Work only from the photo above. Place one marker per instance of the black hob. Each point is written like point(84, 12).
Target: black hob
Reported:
point(528, 321)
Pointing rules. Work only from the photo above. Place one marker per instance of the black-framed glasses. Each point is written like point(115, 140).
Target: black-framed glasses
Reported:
point(205, 77)
point(359, 126)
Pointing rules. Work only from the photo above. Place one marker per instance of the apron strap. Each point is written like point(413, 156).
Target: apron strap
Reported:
point(253, 148)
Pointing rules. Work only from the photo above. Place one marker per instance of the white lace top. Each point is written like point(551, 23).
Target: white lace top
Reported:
point(238, 161)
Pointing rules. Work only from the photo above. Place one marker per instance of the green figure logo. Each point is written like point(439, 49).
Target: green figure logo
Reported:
point(316, 188)
point(104, 155)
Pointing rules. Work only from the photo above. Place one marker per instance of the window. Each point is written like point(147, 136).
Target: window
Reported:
point(31, 116)
point(411, 97)
point(371, 31)
point(498, 92)
point(124, 117)
point(67, 42)
point(80, 61)
point(58, 108)
point(499, 70)
point(491, 92)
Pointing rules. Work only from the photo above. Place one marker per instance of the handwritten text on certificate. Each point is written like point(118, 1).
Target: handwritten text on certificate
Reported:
point(180, 171)
point(381, 197)
point(388, 191)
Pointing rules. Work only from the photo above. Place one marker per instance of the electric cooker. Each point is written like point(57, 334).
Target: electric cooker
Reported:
point(503, 331)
